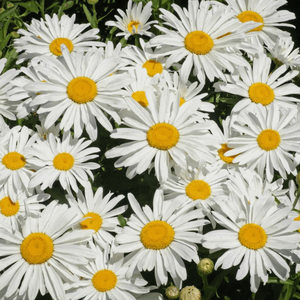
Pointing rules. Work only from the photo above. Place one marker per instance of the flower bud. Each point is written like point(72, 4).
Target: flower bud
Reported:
point(2, 9)
point(205, 266)
point(9, 5)
point(14, 35)
point(190, 293)
point(172, 292)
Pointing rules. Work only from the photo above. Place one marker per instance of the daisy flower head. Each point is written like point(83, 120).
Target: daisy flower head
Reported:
point(11, 212)
point(164, 133)
point(266, 13)
point(258, 236)
point(80, 91)
point(259, 85)
point(134, 20)
point(104, 278)
point(267, 138)
point(66, 160)
point(42, 253)
point(43, 133)
point(161, 238)
point(16, 168)
point(100, 212)
point(45, 37)
point(202, 37)
point(7, 108)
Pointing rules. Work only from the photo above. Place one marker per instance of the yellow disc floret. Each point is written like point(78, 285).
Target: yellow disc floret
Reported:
point(198, 42)
point(252, 236)
point(54, 47)
point(249, 15)
point(133, 24)
point(37, 248)
point(198, 190)
point(268, 139)
point(181, 101)
point(94, 221)
point(140, 97)
point(261, 93)
point(153, 67)
point(9, 208)
point(82, 90)
point(63, 161)
point(157, 235)
point(104, 280)
point(297, 219)
point(162, 136)
point(14, 161)
point(228, 159)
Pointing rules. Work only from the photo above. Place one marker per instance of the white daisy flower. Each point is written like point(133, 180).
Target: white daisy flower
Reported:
point(80, 90)
point(16, 169)
point(267, 140)
point(266, 13)
point(66, 161)
point(164, 133)
point(4, 128)
point(256, 235)
point(43, 252)
point(46, 37)
point(161, 238)
point(43, 133)
point(99, 212)
point(283, 51)
point(104, 278)
point(11, 212)
point(134, 20)
point(202, 39)
point(259, 85)
point(6, 107)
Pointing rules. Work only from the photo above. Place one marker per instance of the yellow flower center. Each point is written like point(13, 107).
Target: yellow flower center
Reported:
point(37, 248)
point(93, 222)
point(140, 97)
point(228, 159)
point(181, 101)
point(63, 161)
point(153, 67)
point(82, 90)
point(268, 139)
point(198, 190)
point(104, 280)
point(54, 47)
point(162, 136)
point(157, 235)
point(252, 236)
point(198, 42)
point(297, 219)
point(249, 15)
point(133, 24)
point(9, 208)
point(14, 161)
point(261, 93)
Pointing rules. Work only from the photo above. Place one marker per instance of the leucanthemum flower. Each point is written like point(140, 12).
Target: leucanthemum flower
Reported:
point(259, 85)
point(161, 238)
point(202, 38)
point(104, 278)
point(11, 212)
point(16, 168)
point(100, 213)
point(134, 20)
point(257, 235)
point(266, 13)
point(38, 256)
point(7, 108)
point(163, 133)
point(65, 160)
point(267, 140)
point(81, 89)
point(46, 37)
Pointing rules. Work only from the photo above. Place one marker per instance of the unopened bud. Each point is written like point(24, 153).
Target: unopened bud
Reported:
point(14, 35)
point(190, 293)
point(9, 5)
point(172, 292)
point(205, 266)
point(2, 9)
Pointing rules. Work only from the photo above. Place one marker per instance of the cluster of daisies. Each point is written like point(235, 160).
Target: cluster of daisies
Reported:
point(221, 187)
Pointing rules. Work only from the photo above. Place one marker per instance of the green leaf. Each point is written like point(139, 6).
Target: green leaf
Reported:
point(122, 220)
point(31, 6)
point(11, 56)
point(4, 42)
point(8, 12)
point(64, 7)
point(87, 14)
point(278, 281)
